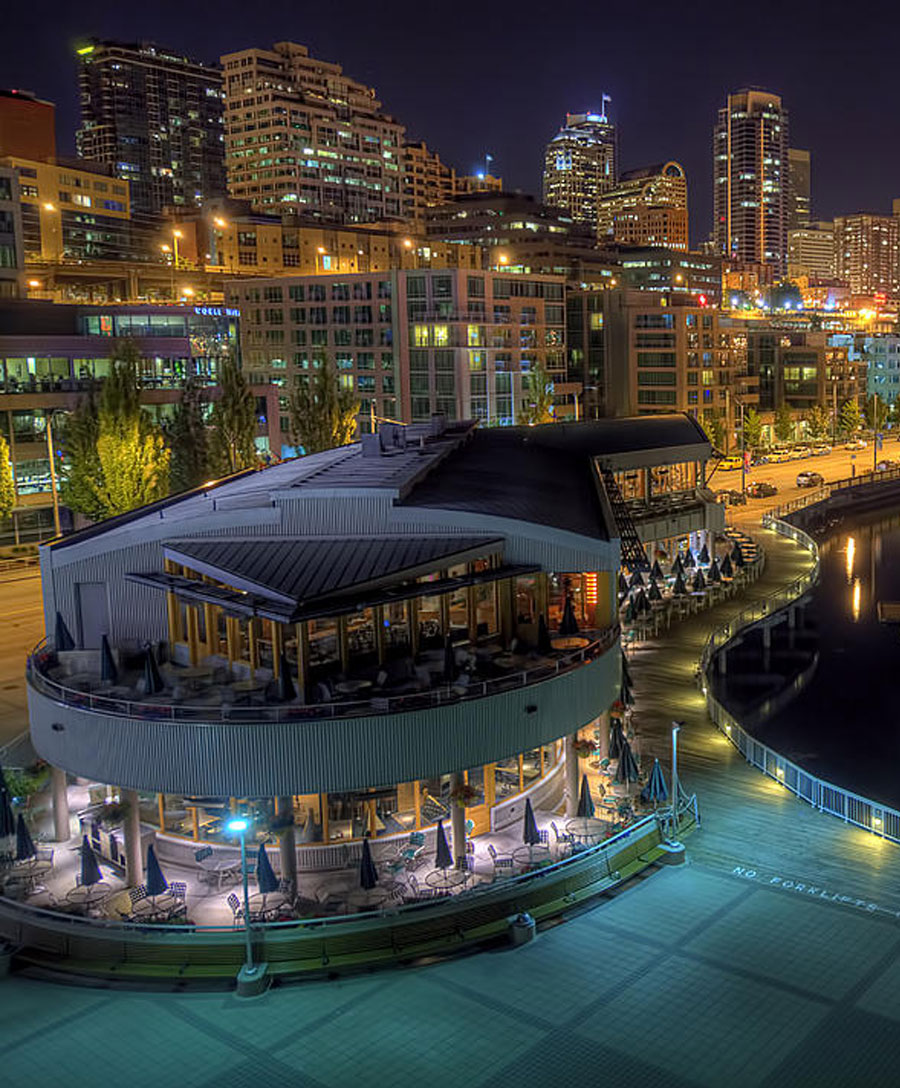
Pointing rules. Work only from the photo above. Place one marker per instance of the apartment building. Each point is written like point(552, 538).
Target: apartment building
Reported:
point(427, 181)
point(12, 259)
point(867, 253)
point(409, 342)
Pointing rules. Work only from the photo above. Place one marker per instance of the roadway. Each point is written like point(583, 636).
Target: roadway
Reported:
point(21, 628)
point(837, 465)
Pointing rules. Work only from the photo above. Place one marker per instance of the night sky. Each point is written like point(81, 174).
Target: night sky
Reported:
point(471, 78)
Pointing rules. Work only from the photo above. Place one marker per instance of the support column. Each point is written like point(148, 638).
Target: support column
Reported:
point(343, 643)
point(417, 803)
point(571, 773)
point(505, 602)
point(277, 647)
point(457, 819)
point(603, 724)
point(302, 658)
point(61, 830)
point(323, 806)
point(723, 662)
point(193, 634)
point(287, 843)
point(134, 859)
point(378, 619)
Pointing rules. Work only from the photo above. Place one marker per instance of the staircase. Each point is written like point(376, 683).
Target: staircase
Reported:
point(633, 555)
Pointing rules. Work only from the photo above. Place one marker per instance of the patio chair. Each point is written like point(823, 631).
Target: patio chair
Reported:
point(237, 910)
point(137, 894)
point(178, 889)
point(563, 838)
point(43, 854)
point(505, 862)
point(417, 890)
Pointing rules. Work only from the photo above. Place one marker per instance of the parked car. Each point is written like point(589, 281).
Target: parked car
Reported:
point(810, 479)
point(762, 490)
point(780, 454)
point(821, 450)
point(759, 459)
point(856, 444)
point(730, 463)
point(731, 497)
point(801, 450)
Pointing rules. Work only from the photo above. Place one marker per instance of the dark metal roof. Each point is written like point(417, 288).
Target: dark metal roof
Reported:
point(300, 569)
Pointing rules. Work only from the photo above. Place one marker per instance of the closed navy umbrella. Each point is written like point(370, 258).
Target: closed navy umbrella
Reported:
point(738, 556)
point(568, 625)
point(368, 874)
point(677, 567)
point(7, 821)
point(679, 589)
point(443, 859)
point(156, 883)
point(286, 690)
point(63, 637)
point(623, 583)
point(90, 869)
point(585, 803)
point(641, 603)
point(703, 557)
point(699, 583)
point(627, 771)
point(654, 593)
point(616, 738)
point(689, 561)
point(637, 579)
point(266, 880)
point(626, 694)
point(656, 571)
point(544, 644)
point(531, 836)
point(629, 612)
point(655, 790)
point(626, 672)
point(24, 844)
point(109, 674)
point(726, 569)
point(153, 683)
point(714, 575)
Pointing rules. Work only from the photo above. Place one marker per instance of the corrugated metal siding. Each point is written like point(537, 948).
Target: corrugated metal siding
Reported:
point(275, 759)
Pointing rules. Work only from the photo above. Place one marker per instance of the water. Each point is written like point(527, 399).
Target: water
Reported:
point(828, 699)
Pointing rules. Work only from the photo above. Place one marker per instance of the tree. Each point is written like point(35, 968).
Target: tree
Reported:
point(7, 486)
point(134, 467)
point(714, 427)
point(232, 441)
point(818, 421)
point(752, 429)
point(876, 412)
point(323, 413)
point(784, 423)
point(850, 417)
point(81, 466)
point(538, 404)
point(188, 439)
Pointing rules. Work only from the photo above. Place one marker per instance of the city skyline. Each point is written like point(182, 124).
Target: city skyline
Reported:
point(516, 95)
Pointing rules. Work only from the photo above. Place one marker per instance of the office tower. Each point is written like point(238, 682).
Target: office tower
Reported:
point(750, 166)
point(647, 207)
point(301, 135)
point(155, 118)
point(580, 163)
point(867, 250)
point(799, 183)
point(27, 126)
point(427, 181)
point(811, 251)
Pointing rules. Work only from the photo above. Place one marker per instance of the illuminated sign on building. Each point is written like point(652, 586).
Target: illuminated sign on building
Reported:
point(217, 311)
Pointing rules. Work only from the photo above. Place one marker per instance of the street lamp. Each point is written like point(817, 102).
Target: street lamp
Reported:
point(321, 251)
point(676, 729)
point(54, 490)
point(251, 973)
point(176, 234)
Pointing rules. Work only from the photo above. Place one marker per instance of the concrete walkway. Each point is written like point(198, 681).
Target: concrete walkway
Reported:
point(771, 959)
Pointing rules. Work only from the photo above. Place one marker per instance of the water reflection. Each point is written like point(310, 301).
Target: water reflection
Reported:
point(851, 555)
point(855, 599)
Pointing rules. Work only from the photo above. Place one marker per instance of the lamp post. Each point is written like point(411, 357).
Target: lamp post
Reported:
point(54, 492)
point(321, 251)
point(251, 977)
point(676, 728)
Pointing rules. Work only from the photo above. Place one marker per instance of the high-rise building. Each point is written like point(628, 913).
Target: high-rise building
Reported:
point(27, 126)
point(477, 183)
point(867, 253)
point(580, 163)
point(301, 135)
point(154, 117)
point(799, 187)
point(647, 207)
point(12, 260)
point(750, 176)
point(427, 181)
point(811, 251)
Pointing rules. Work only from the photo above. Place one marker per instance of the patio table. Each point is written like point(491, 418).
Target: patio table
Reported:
point(156, 908)
point(370, 898)
point(352, 687)
point(268, 906)
point(227, 870)
point(571, 643)
point(587, 828)
point(531, 855)
point(88, 894)
point(445, 879)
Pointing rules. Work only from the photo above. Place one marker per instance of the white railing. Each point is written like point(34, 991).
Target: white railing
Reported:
point(819, 792)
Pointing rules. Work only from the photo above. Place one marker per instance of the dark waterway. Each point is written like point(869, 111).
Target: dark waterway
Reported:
point(826, 693)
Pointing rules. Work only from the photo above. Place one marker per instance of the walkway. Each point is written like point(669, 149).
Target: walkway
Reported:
point(692, 976)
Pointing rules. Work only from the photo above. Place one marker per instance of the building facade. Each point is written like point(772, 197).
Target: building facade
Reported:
point(426, 180)
point(881, 356)
point(867, 253)
point(751, 180)
point(580, 164)
point(27, 126)
point(799, 189)
point(154, 118)
point(409, 343)
point(301, 134)
point(12, 256)
point(811, 252)
point(647, 207)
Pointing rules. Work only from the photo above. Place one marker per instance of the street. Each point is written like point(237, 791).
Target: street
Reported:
point(21, 628)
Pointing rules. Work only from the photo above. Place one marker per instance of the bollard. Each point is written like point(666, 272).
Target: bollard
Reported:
point(522, 929)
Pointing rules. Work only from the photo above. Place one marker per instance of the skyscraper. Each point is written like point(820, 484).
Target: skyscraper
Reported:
point(799, 185)
point(647, 207)
point(580, 163)
point(299, 134)
point(750, 179)
point(867, 253)
point(155, 118)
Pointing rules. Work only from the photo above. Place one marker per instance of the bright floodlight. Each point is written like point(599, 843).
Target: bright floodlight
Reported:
point(237, 824)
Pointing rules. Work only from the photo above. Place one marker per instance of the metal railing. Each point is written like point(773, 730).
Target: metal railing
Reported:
point(819, 494)
point(445, 695)
point(819, 792)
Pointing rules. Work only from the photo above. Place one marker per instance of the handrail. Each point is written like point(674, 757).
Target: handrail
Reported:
point(819, 494)
point(375, 705)
point(822, 794)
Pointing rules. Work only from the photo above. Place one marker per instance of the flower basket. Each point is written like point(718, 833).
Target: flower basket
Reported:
point(113, 814)
point(583, 748)
point(464, 795)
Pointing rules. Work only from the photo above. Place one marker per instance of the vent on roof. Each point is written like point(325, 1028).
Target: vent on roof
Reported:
point(438, 424)
point(391, 438)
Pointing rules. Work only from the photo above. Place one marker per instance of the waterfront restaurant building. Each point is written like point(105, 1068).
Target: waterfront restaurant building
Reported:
point(350, 642)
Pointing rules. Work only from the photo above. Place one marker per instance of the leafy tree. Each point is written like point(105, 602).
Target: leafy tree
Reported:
point(538, 404)
point(850, 417)
point(818, 421)
point(81, 466)
point(714, 426)
point(7, 487)
point(188, 439)
point(752, 429)
point(784, 423)
point(232, 442)
point(876, 412)
point(134, 467)
point(323, 413)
